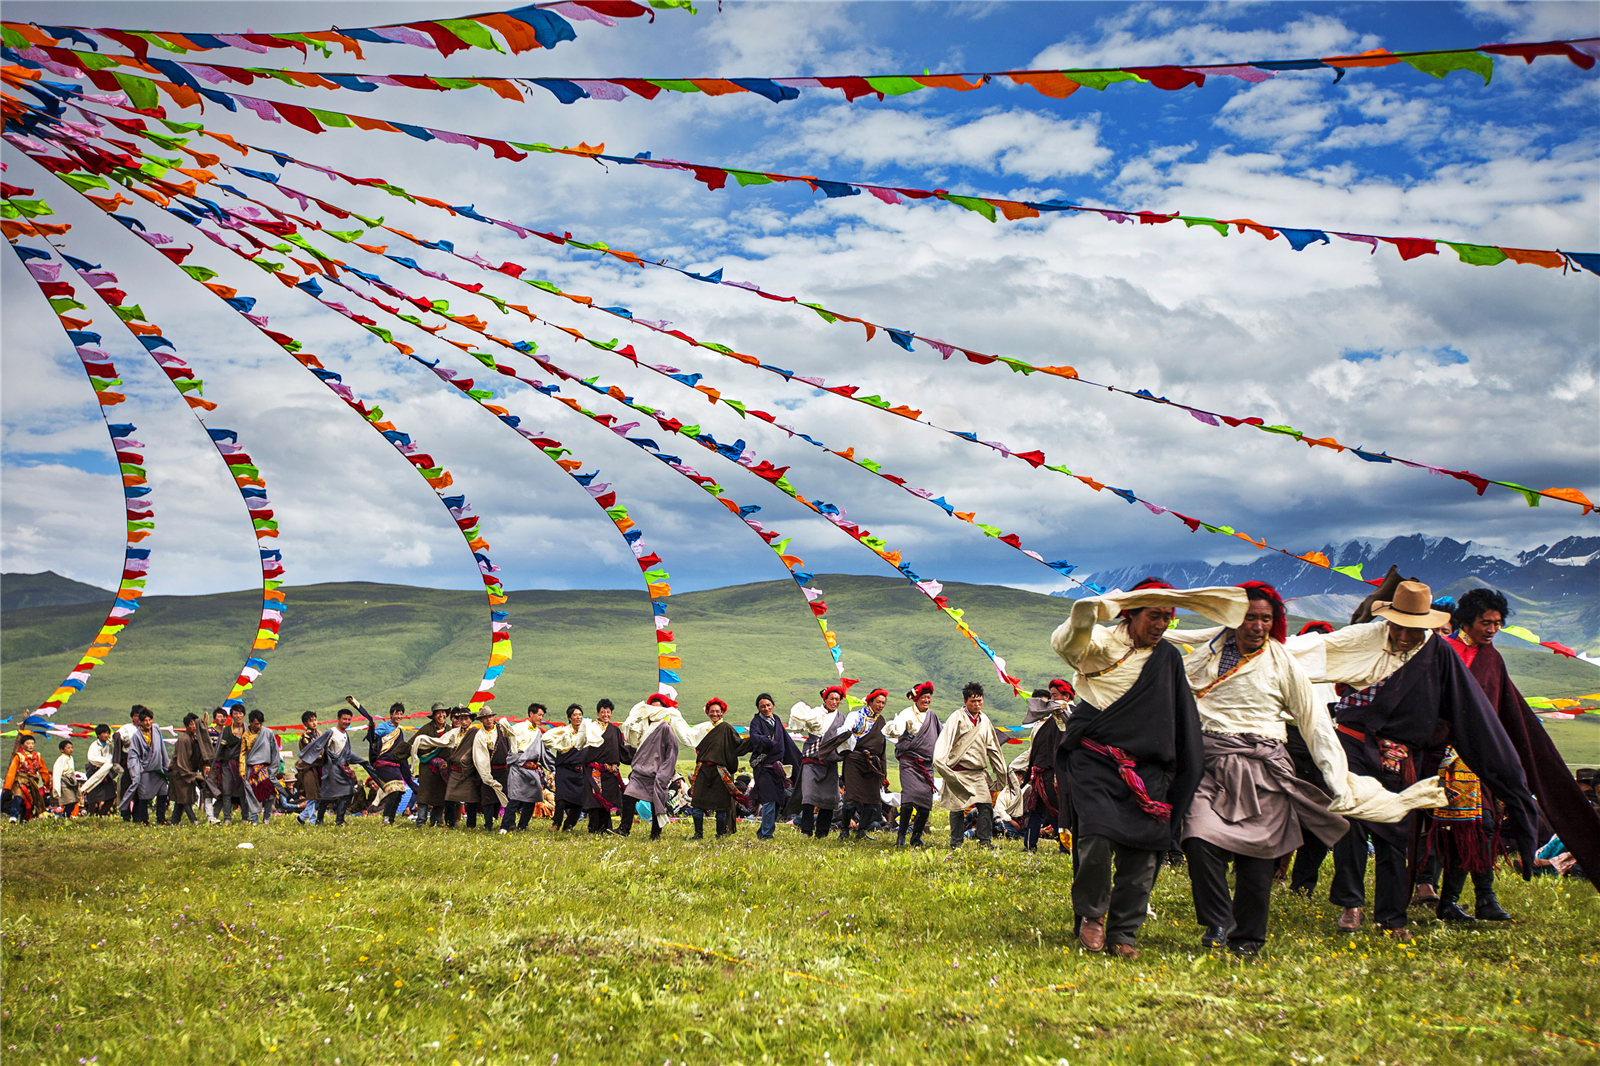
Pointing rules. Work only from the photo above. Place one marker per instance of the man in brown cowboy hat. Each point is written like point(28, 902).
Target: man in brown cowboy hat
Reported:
point(1404, 694)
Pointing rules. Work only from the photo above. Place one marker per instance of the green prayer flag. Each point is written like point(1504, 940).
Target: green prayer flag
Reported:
point(972, 203)
point(1441, 63)
point(474, 33)
point(141, 91)
point(1196, 220)
point(895, 86)
point(331, 118)
point(62, 304)
point(871, 465)
point(1099, 79)
point(674, 85)
point(1528, 494)
point(750, 177)
point(1349, 571)
point(827, 316)
point(1485, 255)
point(85, 181)
point(199, 273)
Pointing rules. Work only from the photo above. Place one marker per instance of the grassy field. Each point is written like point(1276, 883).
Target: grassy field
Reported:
point(392, 642)
point(390, 945)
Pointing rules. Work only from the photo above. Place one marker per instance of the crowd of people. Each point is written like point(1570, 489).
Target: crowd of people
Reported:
point(1398, 738)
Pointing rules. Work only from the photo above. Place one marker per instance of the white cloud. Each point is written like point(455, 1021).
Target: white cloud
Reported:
point(1539, 21)
point(1125, 40)
point(1015, 141)
point(1285, 111)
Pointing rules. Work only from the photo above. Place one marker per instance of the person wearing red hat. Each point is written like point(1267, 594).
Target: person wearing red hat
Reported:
point(607, 749)
point(1133, 754)
point(654, 728)
point(823, 730)
point(1250, 809)
point(915, 732)
point(717, 748)
point(864, 767)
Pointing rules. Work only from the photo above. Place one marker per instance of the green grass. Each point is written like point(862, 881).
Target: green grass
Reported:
point(391, 642)
point(391, 945)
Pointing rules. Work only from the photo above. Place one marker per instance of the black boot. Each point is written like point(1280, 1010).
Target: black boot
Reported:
point(918, 824)
point(1450, 886)
point(1484, 905)
point(900, 837)
point(1215, 936)
point(699, 827)
point(958, 828)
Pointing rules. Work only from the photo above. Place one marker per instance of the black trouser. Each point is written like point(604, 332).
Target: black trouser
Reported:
point(1246, 909)
point(339, 806)
point(1350, 877)
point(181, 809)
point(860, 813)
point(723, 820)
point(983, 830)
point(1124, 900)
point(1308, 857)
point(1455, 879)
point(815, 821)
point(1037, 818)
point(140, 812)
point(915, 818)
point(518, 812)
point(600, 819)
point(567, 814)
point(391, 806)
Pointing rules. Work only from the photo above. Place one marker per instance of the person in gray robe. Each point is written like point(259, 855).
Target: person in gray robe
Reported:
point(527, 773)
point(147, 770)
point(654, 727)
point(337, 781)
point(824, 731)
point(915, 732)
point(230, 781)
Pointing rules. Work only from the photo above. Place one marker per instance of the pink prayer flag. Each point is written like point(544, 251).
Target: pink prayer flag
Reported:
point(888, 196)
point(603, 90)
point(263, 108)
point(236, 41)
point(1243, 72)
point(1363, 240)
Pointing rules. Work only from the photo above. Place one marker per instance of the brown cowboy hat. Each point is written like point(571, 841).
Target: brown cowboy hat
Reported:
point(1412, 607)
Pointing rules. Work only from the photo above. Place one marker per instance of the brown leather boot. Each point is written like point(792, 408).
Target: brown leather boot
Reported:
point(1350, 920)
point(1092, 934)
point(1125, 951)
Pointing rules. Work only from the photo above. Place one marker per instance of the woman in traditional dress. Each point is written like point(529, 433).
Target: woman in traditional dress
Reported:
point(28, 780)
point(864, 766)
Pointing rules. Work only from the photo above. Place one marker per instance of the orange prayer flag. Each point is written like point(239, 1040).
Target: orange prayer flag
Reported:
point(717, 86)
point(227, 140)
point(501, 87)
point(1571, 496)
point(1049, 82)
point(1315, 559)
point(1058, 371)
point(1013, 210)
point(375, 249)
point(1322, 442)
point(1534, 257)
point(372, 124)
point(518, 34)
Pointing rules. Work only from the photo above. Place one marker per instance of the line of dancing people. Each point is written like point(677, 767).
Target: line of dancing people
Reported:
point(1400, 733)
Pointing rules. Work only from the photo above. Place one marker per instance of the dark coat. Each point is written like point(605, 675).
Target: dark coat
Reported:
point(1157, 724)
point(864, 767)
point(771, 749)
point(612, 750)
point(1430, 701)
point(720, 747)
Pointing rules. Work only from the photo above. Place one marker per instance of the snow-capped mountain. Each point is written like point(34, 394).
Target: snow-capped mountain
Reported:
point(1559, 583)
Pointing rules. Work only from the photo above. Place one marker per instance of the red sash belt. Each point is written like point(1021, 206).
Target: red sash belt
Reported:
point(595, 785)
point(1161, 812)
point(1356, 733)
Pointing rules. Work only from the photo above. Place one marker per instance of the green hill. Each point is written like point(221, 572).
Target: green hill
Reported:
point(48, 589)
point(393, 642)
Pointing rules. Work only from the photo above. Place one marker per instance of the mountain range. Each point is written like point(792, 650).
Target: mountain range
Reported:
point(1553, 589)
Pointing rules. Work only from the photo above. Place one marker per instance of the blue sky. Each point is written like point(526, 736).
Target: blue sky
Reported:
point(1492, 369)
